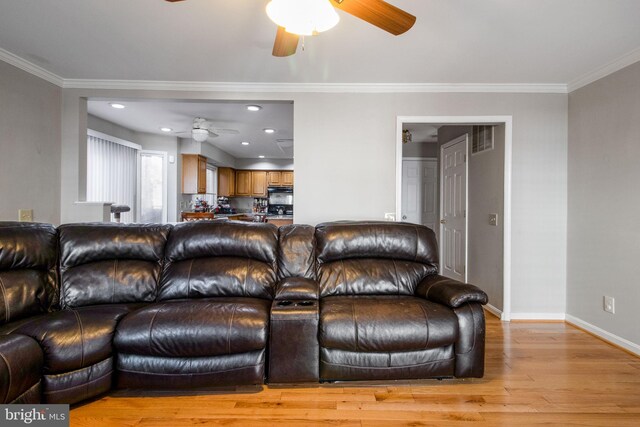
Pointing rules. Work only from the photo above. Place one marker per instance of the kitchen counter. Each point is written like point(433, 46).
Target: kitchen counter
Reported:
point(280, 217)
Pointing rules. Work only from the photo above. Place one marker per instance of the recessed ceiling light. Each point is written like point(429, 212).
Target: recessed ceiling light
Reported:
point(166, 129)
point(244, 143)
point(269, 130)
point(261, 157)
point(116, 105)
point(254, 107)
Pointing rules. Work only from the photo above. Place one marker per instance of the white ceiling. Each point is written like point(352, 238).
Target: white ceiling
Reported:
point(453, 41)
point(150, 116)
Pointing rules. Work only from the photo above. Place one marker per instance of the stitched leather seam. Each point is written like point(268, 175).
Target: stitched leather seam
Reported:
point(101, 363)
point(190, 374)
point(395, 269)
point(81, 337)
point(387, 367)
point(426, 318)
point(7, 309)
point(6, 361)
point(78, 386)
point(189, 278)
point(113, 282)
point(233, 313)
point(355, 324)
point(151, 327)
point(246, 274)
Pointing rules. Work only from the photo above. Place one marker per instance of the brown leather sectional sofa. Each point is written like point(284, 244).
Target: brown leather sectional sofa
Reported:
point(89, 307)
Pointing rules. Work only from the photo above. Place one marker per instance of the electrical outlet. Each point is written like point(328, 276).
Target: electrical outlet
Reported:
point(493, 219)
point(609, 305)
point(25, 215)
point(389, 216)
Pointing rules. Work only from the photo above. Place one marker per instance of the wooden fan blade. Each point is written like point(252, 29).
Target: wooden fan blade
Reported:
point(285, 44)
point(379, 13)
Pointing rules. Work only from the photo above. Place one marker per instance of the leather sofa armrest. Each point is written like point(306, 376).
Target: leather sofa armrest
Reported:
point(450, 292)
point(297, 288)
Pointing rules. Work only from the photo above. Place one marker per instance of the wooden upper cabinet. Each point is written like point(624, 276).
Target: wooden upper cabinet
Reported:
point(226, 182)
point(274, 178)
point(259, 183)
point(194, 174)
point(243, 183)
point(287, 178)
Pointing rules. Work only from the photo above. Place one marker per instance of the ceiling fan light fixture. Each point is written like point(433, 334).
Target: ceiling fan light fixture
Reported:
point(199, 135)
point(303, 17)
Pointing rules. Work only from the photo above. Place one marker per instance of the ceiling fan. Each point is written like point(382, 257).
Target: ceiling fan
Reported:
point(310, 17)
point(203, 129)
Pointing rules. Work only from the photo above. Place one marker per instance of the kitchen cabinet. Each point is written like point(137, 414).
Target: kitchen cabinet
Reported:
point(226, 182)
point(243, 183)
point(194, 174)
point(259, 183)
point(280, 178)
point(287, 178)
point(274, 178)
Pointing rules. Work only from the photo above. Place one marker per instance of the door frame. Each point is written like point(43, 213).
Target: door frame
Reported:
point(505, 315)
point(465, 139)
point(165, 184)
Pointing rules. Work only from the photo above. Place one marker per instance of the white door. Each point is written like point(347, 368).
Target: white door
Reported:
point(453, 209)
point(419, 192)
point(152, 187)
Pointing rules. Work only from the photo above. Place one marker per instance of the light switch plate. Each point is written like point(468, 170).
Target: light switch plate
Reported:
point(25, 215)
point(609, 304)
point(493, 219)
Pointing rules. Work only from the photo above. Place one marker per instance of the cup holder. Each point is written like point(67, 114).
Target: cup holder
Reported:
point(305, 303)
point(284, 303)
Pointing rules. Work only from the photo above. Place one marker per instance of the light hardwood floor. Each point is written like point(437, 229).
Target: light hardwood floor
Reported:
point(536, 374)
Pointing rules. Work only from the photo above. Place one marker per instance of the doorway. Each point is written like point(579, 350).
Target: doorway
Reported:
point(498, 249)
point(152, 187)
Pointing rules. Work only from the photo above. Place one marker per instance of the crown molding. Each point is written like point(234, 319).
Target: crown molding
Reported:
point(314, 87)
point(30, 67)
point(610, 68)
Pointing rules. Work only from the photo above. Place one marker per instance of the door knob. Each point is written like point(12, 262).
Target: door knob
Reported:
point(443, 221)
point(404, 217)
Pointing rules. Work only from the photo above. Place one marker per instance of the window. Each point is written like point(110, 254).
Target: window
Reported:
point(112, 171)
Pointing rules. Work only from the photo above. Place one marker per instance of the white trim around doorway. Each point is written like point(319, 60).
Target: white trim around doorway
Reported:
point(505, 315)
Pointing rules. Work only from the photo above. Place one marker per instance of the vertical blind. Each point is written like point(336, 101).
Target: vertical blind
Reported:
point(111, 174)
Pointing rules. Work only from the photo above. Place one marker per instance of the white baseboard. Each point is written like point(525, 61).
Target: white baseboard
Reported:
point(495, 311)
point(538, 316)
point(606, 336)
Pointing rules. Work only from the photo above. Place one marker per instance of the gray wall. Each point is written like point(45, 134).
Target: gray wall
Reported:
point(604, 202)
point(420, 149)
point(346, 167)
point(30, 119)
point(486, 196)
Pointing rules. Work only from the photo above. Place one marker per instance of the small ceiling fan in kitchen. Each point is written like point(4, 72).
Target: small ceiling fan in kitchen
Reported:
point(297, 18)
point(204, 129)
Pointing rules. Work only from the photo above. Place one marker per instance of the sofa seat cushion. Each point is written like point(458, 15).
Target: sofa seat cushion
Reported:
point(385, 324)
point(77, 338)
point(196, 328)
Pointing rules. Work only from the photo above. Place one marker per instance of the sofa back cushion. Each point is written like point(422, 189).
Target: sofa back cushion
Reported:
point(220, 259)
point(110, 263)
point(28, 255)
point(296, 257)
point(373, 258)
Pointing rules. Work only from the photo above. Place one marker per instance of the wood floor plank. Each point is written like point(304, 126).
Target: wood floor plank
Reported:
point(535, 374)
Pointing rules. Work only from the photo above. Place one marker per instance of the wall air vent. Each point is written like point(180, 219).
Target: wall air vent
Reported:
point(481, 139)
